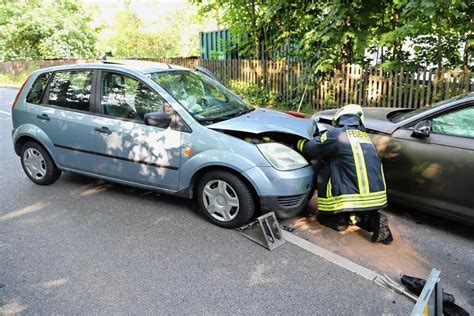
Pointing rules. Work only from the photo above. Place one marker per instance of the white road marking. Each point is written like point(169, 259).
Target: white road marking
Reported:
point(330, 256)
point(5, 112)
point(347, 264)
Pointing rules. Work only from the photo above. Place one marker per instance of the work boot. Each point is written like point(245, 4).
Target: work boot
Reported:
point(381, 231)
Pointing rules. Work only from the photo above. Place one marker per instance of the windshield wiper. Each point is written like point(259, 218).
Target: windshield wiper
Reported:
point(244, 111)
point(211, 120)
point(216, 119)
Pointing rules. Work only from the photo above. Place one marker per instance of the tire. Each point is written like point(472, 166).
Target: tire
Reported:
point(225, 200)
point(38, 164)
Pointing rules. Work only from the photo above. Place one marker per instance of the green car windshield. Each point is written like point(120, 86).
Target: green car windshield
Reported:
point(204, 98)
point(411, 114)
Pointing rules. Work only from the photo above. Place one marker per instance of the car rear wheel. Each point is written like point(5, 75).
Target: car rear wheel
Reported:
point(225, 200)
point(38, 164)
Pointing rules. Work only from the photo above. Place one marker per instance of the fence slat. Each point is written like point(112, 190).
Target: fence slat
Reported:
point(366, 85)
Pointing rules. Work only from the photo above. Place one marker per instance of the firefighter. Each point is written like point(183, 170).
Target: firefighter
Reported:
point(351, 185)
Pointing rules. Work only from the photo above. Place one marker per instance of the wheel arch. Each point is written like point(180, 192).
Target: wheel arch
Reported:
point(201, 172)
point(30, 132)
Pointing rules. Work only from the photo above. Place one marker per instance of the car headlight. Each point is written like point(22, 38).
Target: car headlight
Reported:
point(282, 157)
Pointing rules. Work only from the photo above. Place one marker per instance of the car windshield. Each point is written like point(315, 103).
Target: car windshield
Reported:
point(404, 116)
point(203, 97)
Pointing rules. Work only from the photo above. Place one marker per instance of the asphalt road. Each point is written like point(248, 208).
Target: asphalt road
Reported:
point(85, 246)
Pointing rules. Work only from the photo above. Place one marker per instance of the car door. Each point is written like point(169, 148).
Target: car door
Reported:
point(436, 171)
point(65, 116)
point(126, 148)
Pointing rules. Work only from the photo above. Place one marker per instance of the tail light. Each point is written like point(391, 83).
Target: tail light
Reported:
point(19, 92)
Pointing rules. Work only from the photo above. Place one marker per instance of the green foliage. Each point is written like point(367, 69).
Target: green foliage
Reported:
point(255, 95)
point(175, 33)
point(129, 39)
point(41, 30)
point(17, 79)
point(328, 33)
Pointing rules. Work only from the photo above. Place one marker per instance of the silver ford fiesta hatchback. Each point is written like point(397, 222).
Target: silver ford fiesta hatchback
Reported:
point(165, 128)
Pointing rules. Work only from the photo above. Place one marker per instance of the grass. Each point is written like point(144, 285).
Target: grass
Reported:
point(9, 79)
point(13, 80)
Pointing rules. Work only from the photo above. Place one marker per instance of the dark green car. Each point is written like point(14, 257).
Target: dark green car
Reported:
point(428, 154)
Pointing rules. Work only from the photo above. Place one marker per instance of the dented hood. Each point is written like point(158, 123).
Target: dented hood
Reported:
point(264, 120)
point(376, 119)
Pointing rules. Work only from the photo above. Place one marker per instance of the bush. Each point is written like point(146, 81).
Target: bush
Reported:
point(255, 95)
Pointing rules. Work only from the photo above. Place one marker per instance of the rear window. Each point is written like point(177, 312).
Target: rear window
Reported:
point(36, 92)
point(71, 89)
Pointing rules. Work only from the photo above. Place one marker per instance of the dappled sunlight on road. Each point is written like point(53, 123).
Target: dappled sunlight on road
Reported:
point(97, 189)
point(54, 283)
point(12, 307)
point(23, 211)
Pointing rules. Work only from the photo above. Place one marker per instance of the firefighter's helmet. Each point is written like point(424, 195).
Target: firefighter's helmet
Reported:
point(350, 109)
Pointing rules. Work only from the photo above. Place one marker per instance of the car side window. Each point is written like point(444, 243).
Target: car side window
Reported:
point(123, 96)
point(71, 89)
point(456, 123)
point(36, 92)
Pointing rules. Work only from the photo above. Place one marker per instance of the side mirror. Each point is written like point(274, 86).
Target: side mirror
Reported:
point(422, 129)
point(158, 119)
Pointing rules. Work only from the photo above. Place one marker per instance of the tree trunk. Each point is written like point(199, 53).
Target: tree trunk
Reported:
point(394, 49)
point(439, 54)
point(468, 48)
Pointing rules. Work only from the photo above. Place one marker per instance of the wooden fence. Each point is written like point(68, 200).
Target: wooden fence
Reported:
point(368, 86)
point(17, 67)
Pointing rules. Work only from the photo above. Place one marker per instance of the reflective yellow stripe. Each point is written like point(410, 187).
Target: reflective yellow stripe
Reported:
point(383, 177)
point(300, 144)
point(329, 189)
point(349, 198)
point(324, 137)
point(357, 195)
point(337, 206)
point(359, 161)
point(352, 201)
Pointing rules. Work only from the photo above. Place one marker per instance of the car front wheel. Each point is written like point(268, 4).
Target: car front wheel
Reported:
point(225, 199)
point(38, 165)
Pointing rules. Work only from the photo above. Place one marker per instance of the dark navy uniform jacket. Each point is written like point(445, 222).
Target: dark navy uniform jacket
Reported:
point(351, 178)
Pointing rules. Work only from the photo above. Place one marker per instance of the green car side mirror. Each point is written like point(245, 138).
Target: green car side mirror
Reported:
point(422, 129)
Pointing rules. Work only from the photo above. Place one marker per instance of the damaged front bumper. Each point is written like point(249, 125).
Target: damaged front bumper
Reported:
point(284, 192)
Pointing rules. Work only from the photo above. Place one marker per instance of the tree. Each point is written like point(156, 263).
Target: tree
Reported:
point(42, 30)
point(328, 33)
point(174, 33)
point(436, 31)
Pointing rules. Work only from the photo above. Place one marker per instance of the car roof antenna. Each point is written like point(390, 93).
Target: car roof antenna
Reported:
point(169, 66)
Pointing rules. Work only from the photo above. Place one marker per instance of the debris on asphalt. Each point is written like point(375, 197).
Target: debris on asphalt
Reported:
point(288, 228)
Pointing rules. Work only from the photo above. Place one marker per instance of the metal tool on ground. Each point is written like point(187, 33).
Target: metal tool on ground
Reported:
point(385, 280)
point(265, 231)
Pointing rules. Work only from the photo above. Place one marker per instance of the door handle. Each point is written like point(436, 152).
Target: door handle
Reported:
point(104, 130)
point(43, 117)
